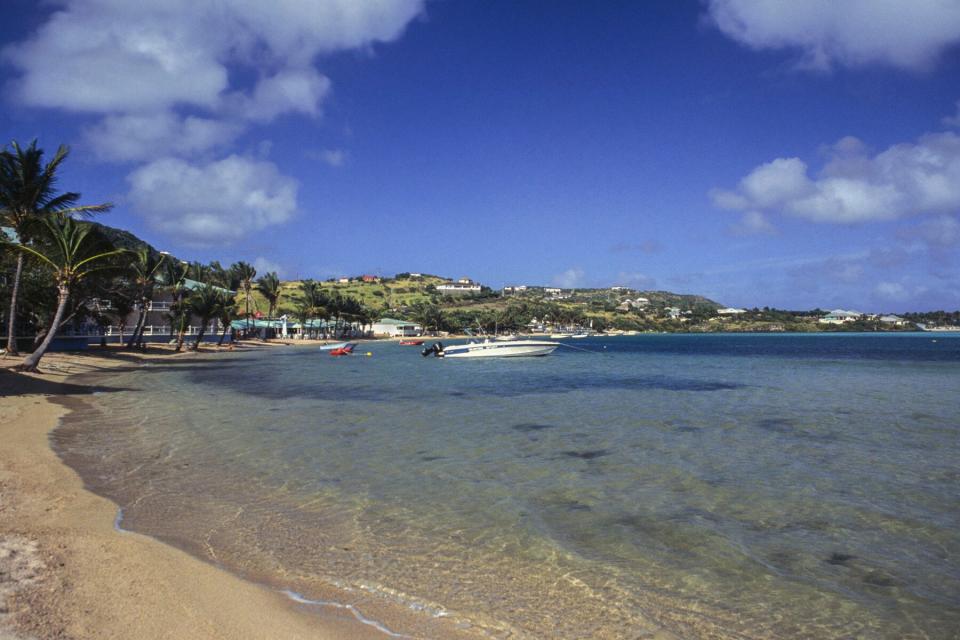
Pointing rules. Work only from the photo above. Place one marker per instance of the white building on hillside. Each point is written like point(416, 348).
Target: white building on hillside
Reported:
point(467, 288)
point(840, 316)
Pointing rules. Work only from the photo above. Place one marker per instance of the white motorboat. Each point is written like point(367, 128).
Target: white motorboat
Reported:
point(494, 349)
point(335, 345)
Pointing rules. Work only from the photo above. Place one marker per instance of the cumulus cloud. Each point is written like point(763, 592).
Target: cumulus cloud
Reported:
point(212, 203)
point(185, 79)
point(569, 279)
point(921, 177)
point(909, 34)
point(116, 56)
point(144, 136)
point(291, 91)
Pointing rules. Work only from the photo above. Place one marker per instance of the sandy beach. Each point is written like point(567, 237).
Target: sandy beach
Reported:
point(67, 572)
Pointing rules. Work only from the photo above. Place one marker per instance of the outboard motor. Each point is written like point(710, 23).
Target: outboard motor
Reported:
point(436, 349)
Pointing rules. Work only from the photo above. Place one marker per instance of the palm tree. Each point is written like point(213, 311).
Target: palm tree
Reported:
point(428, 315)
point(269, 286)
point(204, 302)
point(27, 194)
point(174, 275)
point(73, 255)
point(144, 268)
point(227, 311)
point(245, 273)
point(121, 307)
point(315, 303)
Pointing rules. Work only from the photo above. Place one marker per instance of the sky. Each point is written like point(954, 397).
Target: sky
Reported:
point(758, 152)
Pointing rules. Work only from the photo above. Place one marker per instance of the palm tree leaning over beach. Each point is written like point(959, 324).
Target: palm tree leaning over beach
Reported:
point(27, 194)
point(73, 255)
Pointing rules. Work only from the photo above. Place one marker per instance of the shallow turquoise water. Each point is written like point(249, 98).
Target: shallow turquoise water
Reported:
point(702, 485)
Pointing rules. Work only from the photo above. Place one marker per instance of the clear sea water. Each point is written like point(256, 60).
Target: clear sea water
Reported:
point(674, 486)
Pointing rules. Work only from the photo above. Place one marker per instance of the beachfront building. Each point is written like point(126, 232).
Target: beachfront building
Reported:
point(157, 322)
point(462, 287)
point(393, 328)
point(840, 316)
point(896, 321)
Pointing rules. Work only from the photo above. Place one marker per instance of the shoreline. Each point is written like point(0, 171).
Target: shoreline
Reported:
point(70, 571)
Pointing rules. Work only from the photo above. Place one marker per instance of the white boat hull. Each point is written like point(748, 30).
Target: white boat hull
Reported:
point(515, 349)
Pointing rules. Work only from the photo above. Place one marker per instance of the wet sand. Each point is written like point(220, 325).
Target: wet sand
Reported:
point(67, 572)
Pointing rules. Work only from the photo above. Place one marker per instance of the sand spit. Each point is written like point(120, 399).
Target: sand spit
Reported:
point(66, 572)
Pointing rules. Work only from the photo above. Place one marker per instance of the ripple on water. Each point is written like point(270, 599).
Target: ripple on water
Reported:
point(755, 491)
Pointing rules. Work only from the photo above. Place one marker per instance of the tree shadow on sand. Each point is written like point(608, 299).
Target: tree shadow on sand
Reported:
point(17, 384)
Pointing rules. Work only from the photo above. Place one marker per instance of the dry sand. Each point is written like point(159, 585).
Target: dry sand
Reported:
point(66, 572)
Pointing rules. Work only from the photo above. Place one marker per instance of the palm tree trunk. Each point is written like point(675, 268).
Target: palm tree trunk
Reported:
point(12, 325)
point(223, 335)
point(30, 362)
point(203, 326)
point(137, 328)
point(180, 336)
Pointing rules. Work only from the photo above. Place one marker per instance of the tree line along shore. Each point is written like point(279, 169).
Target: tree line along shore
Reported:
point(61, 271)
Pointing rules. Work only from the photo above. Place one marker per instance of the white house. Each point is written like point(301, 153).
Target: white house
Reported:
point(459, 288)
point(517, 288)
point(396, 328)
point(730, 311)
point(840, 316)
point(896, 321)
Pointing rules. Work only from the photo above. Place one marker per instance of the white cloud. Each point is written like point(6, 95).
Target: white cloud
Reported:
point(753, 223)
point(334, 157)
point(116, 56)
point(142, 137)
point(265, 266)
point(212, 203)
point(290, 91)
point(909, 34)
point(182, 78)
point(569, 279)
point(906, 179)
point(891, 291)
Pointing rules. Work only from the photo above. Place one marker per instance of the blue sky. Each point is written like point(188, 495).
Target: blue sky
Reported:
point(758, 153)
